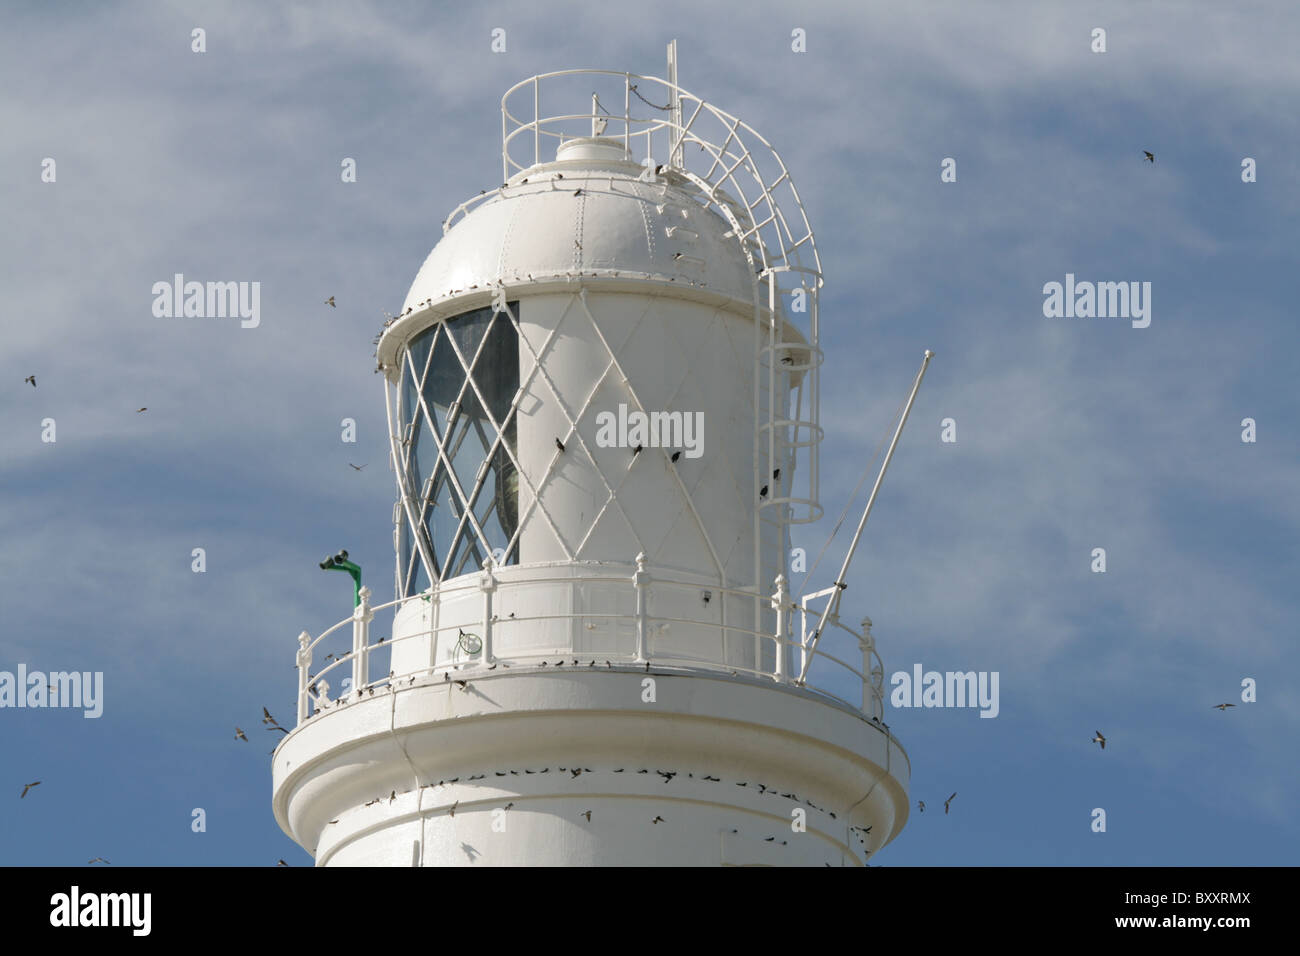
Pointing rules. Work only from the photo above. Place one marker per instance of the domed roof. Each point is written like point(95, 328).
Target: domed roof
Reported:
point(592, 212)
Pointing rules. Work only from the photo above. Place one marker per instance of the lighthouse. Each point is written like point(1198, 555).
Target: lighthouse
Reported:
point(603, 399)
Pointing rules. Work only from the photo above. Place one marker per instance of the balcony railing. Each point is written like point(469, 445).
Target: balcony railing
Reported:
point(469, 655)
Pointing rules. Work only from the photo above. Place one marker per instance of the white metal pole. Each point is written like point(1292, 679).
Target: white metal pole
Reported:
point(834, 603)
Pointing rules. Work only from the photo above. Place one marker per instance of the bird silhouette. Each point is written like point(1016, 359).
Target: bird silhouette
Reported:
point(585, 813)
point(239, 735)
point(948, 801)
point(279, 728)
point(1099, 739)
point(637, 450)
point(657, 820)
point(920, 805)
point(1223, 706)
point(28, 787)
point(98, 859)
point(139, 410)
point(559, 444)
point(762, 492)
point(330, 302)
point(266, 714)
point(357, 467)
point(1150, 156)
point(30, 378)
point(776, 475)
point(451, 811)
point(675, 455)
point(281, 863)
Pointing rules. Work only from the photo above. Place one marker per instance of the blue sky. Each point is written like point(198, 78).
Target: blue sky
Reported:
point(1072, 433)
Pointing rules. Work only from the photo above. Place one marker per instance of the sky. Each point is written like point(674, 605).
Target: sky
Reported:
point(1071, 433)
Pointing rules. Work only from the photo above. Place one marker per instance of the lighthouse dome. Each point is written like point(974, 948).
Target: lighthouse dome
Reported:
point(592, 213)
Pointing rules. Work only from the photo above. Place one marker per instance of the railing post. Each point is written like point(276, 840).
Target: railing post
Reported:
point(868, 644)
point(487, 583)
point(361, 619)
point(640, 579)
point(304, 672)
point(781, 602)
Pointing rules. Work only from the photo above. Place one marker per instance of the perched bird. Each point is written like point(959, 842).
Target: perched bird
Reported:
point(330, 302)
point(451, 812)
point(762, 492)
point(577, 192)
point(587, 814)
point(392, 796)
point(1099, 739)
point(920, 805)
point(948, 801)
point(1150, 156)
point(667, 774)
point(1223, 706)
point(98, 859)
point(559, 444)
point(239, 735)
point(139, 410)
point(357, 467)
point(32, 379)
point(28, 787)
point(509, 805)
point(776, 475)
point(637, 450)
point(657, 820)
point(675, 456)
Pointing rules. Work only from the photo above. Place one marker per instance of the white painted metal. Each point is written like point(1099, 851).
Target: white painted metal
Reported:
point(628, 650)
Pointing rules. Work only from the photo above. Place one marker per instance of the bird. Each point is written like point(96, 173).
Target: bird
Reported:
point(392, 796)
point(139, 410)
point(577, 192)
point(559, 444)
point(1099, 739)
point(637, 450)
point(675, 456)
point(1223, 706)
point(28, 787)
point(451, 812)
point(667, 774)
point(266, 714)
point(98, 859)
point(657, 820)
point(30, 378)
point(332, 821)
point(762, 492)
point(239, 735)
point(509, 805)
point(277, 727)
point(330, 302)
point(357, 467)
point(948, 801)
point(1151, 158)
point(776, 475)
point(587, 814)
point(920, 805)
point(281, 863)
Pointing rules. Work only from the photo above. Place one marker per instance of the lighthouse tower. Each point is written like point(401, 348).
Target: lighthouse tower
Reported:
point(603, 404)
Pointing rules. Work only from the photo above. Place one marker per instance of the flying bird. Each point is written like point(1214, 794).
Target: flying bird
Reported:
point(330, 302)
point(239, 735)
point(139, 410)
point(357, 467)
point(98, 859)
point(948, 801)
point(279, 728)
point(1151, 158)
point(559, 444)
point(266, 714)
point(32, 379)
point(920, 805)
point(587, 814)
point(1099, 739)
point(28, 787)
point(657, 820)
point(1223, 706)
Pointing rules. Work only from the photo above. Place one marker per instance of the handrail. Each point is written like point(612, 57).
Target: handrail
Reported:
point(314, 697)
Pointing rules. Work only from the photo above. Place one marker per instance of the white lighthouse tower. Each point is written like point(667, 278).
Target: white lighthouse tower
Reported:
point(603, 404)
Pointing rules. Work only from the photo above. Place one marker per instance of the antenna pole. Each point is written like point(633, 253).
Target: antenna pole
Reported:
point(675, 102)
point(833, 603)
